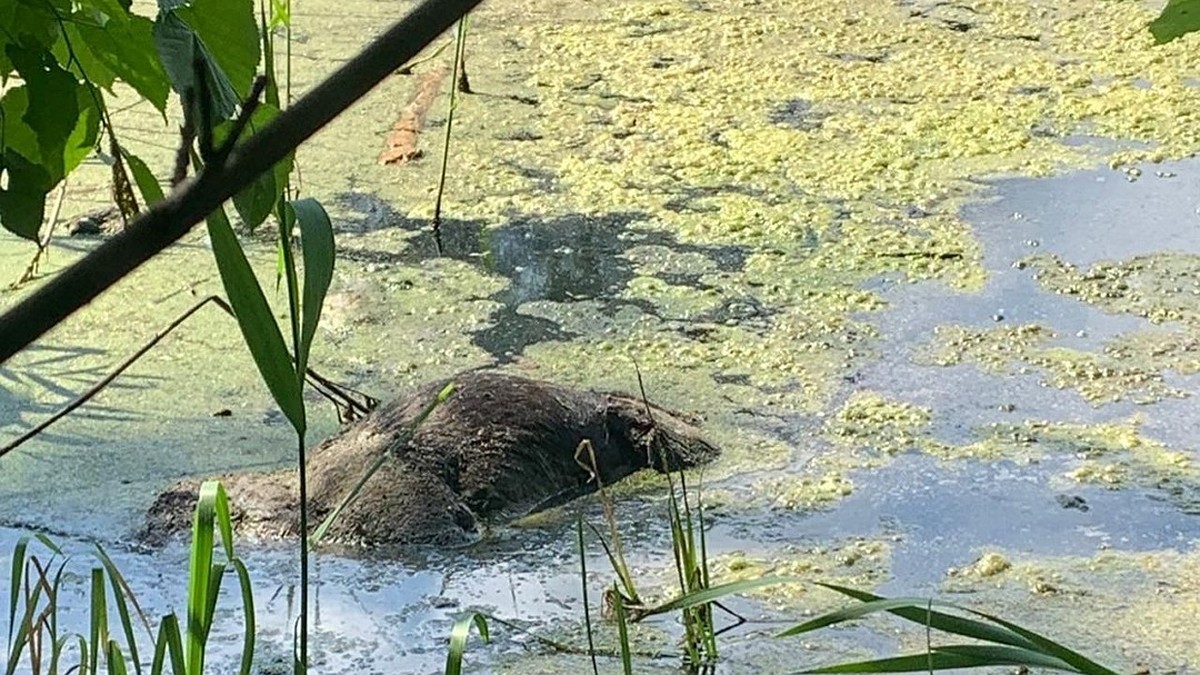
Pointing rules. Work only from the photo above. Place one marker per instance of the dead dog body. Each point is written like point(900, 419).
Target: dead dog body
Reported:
point(501, 446)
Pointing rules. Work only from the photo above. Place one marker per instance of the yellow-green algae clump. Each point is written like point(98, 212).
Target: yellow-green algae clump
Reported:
point(858, 563)
point(1121, 608)
point(1129, 367)
point(865, 433)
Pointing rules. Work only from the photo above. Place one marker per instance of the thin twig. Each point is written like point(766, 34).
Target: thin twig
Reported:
point(99, 386)
point(239, 125)
point(460, 39)
point(43, 245)
point(334, 393)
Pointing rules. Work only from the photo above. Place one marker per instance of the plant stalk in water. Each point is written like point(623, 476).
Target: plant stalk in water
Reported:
point(460, 40)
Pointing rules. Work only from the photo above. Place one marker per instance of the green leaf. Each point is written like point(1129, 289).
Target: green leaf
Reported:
point(254, 316)
point(854, 612)
point(28, 24)
point(228, 30)
point(622, 630)
point(119, 589)
point(169, 641)
point(57, 110)
point(122, 48)
point(458, 639)
point(248, 632)
point(14, 589)
point(178, 46)
point(23, 204)
point(116, 660)
point(912, 663)
point(922, 615)
point(948, 658)
point(256, 201)
point(52, 107)
point(99, 618)
point(200, 578)
point(1047, 646)
point(1003, 655)
point(152, 192)
point(317, 248)
point(1178, 18)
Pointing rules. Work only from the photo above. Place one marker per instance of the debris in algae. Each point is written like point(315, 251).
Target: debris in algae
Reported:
point(401, 142)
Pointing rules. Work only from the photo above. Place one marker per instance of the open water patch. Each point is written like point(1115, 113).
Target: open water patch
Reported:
point(942, 511)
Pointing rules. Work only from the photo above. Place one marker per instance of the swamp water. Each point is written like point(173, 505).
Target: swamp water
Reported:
point(926, 329)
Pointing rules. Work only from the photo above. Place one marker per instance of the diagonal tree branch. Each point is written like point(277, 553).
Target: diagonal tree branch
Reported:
point(173, 217)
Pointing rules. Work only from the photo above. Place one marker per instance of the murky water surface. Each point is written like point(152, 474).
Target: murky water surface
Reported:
point(929, 273)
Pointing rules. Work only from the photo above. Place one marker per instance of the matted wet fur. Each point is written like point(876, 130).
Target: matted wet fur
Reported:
point(501, 446)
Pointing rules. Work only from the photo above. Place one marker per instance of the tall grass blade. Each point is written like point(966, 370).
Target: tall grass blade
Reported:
point(223, 520)
point(248, 631)
point(14, 592)
point(458, 639)
point(256, 320)
point(20, 639)
point(169, 643)
point(46, 541)
point(120, 589)
point(116, 660)
point(622, 631)
point(60, 648)
point(617, 564)
point(587, 610)
point(99, 623)
point(200, 576)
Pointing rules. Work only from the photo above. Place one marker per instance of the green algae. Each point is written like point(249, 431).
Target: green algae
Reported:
point(1159, 287)
point(869, 420)
point(858, 563)
point(1121, 608)
point(995, 350)
point(865, 433)
point(1129, 367)
point(1115, 455)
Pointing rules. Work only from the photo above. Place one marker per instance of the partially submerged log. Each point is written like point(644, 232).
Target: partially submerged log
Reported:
point(501, 447)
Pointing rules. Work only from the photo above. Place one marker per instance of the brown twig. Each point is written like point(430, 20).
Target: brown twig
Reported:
point(170, 219)
point(239, 125)
point(99, 386)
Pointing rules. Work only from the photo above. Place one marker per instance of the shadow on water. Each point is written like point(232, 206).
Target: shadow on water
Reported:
point(564, 259)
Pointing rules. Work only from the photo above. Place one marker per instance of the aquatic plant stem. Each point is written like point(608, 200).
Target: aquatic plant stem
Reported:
point(459, 40)
point(287, 220)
